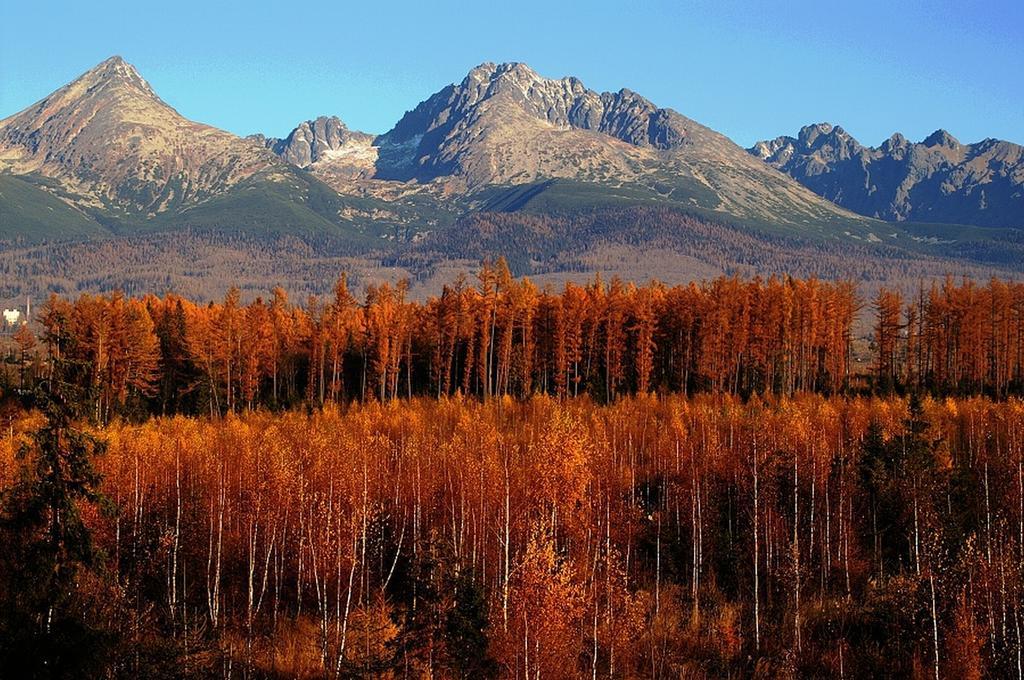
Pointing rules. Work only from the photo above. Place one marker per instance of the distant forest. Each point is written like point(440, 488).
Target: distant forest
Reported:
point(634, 243)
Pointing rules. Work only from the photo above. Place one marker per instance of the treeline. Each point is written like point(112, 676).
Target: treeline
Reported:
point(506, 337)
point(501, 337)
point(653, 537)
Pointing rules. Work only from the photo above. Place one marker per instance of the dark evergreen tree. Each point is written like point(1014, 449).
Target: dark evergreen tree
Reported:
point(178, 373)
point(445, 622)
point(45, 626)
point(466, 631)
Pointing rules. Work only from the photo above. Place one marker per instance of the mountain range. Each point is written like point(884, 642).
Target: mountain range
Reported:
point(935, 180)
point(546, 172)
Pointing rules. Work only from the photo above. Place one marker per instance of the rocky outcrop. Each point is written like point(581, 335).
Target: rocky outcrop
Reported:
point(326, 140)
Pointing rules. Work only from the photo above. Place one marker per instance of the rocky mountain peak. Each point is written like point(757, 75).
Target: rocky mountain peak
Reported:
point(897, 139)
point(514, 83)
point(310, 140)
point(488, 72)
point(824, 134)
point(113, 83)
point(112, 141)
point(809, 133)
point(513, 102)
point(822, 141)
point(114, 66)
point(897, 146)
point(114, 72)
point(941, 138)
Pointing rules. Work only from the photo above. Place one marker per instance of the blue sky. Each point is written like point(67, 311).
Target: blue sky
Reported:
point(750, 70)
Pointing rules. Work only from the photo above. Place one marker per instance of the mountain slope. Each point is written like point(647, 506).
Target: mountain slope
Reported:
point(30, 213)
point(936, 180)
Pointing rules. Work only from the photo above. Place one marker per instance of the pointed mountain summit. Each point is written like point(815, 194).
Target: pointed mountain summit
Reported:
point(935, 180)
point(113, 144)
point(115, 71)
point(823, 140)
point(941, 138)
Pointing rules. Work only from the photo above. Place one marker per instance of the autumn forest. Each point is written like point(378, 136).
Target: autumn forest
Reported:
point(723, 479)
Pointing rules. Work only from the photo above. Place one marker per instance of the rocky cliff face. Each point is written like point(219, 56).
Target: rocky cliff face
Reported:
point(113, 144)
point(935, 180)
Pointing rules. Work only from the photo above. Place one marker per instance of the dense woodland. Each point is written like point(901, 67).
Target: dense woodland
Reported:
point(654, 537)
point(600, 481)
